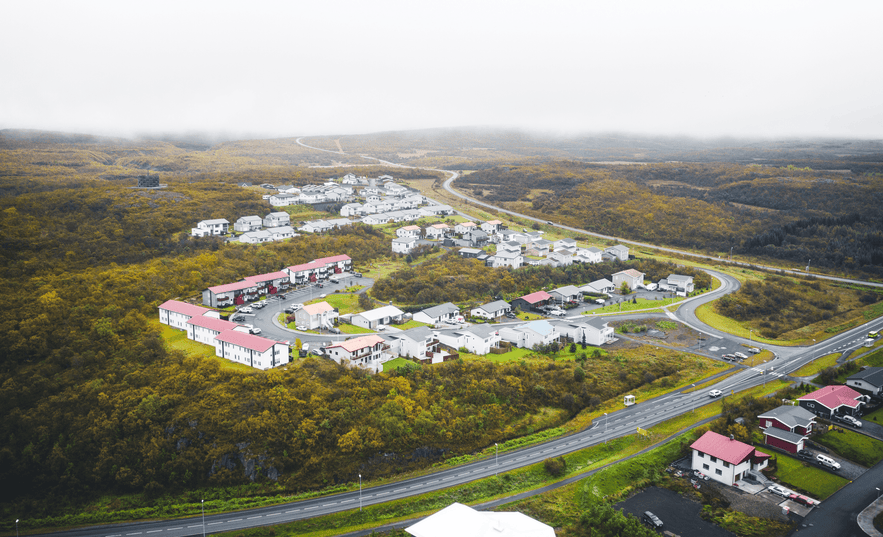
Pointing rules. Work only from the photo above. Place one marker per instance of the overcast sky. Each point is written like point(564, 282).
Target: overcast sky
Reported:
point(291, 68)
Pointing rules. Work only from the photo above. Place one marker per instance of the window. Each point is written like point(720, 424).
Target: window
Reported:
point(701, 455)
point(718, 472)
point(726, 464)
point(713, 459)
point(705, 467)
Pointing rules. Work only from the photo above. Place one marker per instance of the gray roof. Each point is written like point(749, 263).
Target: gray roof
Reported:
point(594, 322)
point(672, 278)
point(781, 434)
point(495, 305)
point(617, 248)
point(380, 313)
point(421, 333)
point(593, 250)
point(871, 375)
point(441, 309)
point(792, 416)
point(215, 221)
point(481, 330)
point(567, 290)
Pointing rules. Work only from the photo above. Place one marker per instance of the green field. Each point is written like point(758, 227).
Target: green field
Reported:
point(854, 446)
point(819, 484)
point(814, 367)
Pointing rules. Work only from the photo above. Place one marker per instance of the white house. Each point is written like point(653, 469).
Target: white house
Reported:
point(438, 231)
point(313, 316)
point(591, 254)
point(282, 233)
point(362, 351)
point(507, 259)
point(248, 223)
point(253, 351)
point(414, 343)
point(868, 381)
point(403, 245)
point(601, 286)
point(218, 226)
point(284, 199)
point(492, 310)
point(724, 459)
point(372, 318)
point(478, 339)
point(315, 226)
point(436, 210)
point(443, 313)
point(176, 313)
point(618, 251)
point(464, 227)
point(630, 277)
point(277, 219)
point(256, 237)
point(530, 334)
point(675, 283)
point(594, 330)
point(409, 231)
point(492, 226)
point(568, 293)
point(463, 521)
point(351, 209)
point(205, 329)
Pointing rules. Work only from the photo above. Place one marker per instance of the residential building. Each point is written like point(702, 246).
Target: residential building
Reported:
point(492, 310)
point(593, 330)
point(205, 329)
point(443, 313)
point(277, 219)
point(630, 277)
point(337, 264)
point(492, 226)
point(618, 251)
point(218, 226)
point(831, 400)
point(532, 301)
point(282, 233)
point(417, 343)
point(362, 351)
point(464, 227)
point(725, 460)
point(253, 351)
point(314, 316)
point(315, 226)
point(371, 319)
point(438, 231)
point(561, 258)
point(598, 287)
point(506, 259)
point(784, 440)
point(437, 210)
point(476, 236)
point(256, 237)
point(568, 293)
point(409, 231)
point(351, 209)
point(592, 254)
point(786, 427)
point(248, 223)
point(566, 243)
point(284, 199)
point(530, 334)
point(478, 339)
point(403, 245)
point(250, 288)
point(868, 381)
point(509, 246)
point(675, 283)
point(176, 313)
point(463, 521)
point(471, 253)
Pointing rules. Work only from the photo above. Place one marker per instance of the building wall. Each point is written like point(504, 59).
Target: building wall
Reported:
point(783, 445)
point(718, 469)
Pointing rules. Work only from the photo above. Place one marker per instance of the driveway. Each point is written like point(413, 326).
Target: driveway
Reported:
point(680, 515)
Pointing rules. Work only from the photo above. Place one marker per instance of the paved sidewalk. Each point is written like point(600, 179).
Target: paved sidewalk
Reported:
point(866, 518)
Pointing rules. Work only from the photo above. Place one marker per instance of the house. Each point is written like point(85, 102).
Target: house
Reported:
point(417, 343)
point(478, 339)
point(630, 277)
point(618, 251)
point(566, 243)
point(253, 351)
point(675, 283)
point(256, 237)
point(313, 316)
point(532, 301)
point(831, 400)
point(277, 219)
point(282, 233)
point(284, 199)
point(443, 313)
point(568, 293)
point(228, 294)
point(492, 226)
point(463, 521)
point(593, 330)
point(598, 287)
point(218, 226)
point(464, 227)
point(470, 252)
point(409, 231)
point(725, 460)
point(506, 259)
point(403, 245)
point(315, 226)
point(205, 329)
point(248, 223)
point(868, 381)
point(530, 334)
point(561, 258)
point(492, 310)
point(362, 351)
point(542, 246)
point(351, 209)
point(509, 246)
point(786, 427)
point(438, 231)
point(591, 254)
point(176, 313)
point(307, 272)
point(476, 236)
point(437, 210)
point(371, 319)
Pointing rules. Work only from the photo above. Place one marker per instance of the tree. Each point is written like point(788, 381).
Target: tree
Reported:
point(365, 301)
point(625, 289)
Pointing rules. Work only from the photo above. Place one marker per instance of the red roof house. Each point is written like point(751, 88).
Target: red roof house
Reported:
point(723, 459)
point(831, 400)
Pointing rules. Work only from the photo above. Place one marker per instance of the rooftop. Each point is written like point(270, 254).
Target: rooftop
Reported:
point(834, 396)
point(318, 308)
point(183, 308)
point(355, 344)
point(539, 296)
point(212, 323)
point(722, 447)
point(249, 341)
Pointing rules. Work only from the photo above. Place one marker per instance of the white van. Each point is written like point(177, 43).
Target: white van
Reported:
point(828, 461)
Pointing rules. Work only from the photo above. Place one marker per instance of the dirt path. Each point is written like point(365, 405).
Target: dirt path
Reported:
point(339, 148)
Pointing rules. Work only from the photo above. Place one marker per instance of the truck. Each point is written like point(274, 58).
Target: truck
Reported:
point(304, 350)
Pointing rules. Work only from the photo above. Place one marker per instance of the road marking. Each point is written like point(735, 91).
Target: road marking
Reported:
point(196, 526)
point(328, 504)
point(235, 520)
point(214, 523)
point(293, 511)
point(170, 529)
point(308, 508)
point(253, 517)
point(120, 534)
point(139, 533)
point(154, 531)
point(380, 494)
point(274, 514)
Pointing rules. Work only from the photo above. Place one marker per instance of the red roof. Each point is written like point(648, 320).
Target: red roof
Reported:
point(716, 445)
point(227, 287)
point(267, 277)
point(249, 341)
point(833, 397)
point(183, 308)
point(318, 308)
point(218, 325)
point(312, 265)
point(334, 259)
point(539, 296)
point(352, 345)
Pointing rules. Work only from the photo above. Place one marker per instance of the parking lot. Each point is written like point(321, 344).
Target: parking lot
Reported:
point(679, 514)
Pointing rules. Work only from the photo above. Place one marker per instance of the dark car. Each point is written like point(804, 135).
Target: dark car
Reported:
point(652, 521)
point(805, 454)
point(511, 315)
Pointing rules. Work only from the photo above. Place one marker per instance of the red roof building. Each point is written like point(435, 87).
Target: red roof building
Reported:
point(251, 350)
point(831, 400)
point(364, 351)
point(724, 459)
point(176, 313)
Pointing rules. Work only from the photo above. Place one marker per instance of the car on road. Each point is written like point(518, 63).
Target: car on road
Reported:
point(652, 521)
point(715, 393)
point(254, 330)
point(828, 461)
point(801, 499)
point(237, 318)
point(557, 313)
point(851, 421)
point(246, 309)
point(258, 305)
point(600, 301)
point(779, 491)
point(739, 355)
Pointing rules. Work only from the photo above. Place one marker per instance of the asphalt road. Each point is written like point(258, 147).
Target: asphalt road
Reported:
point(644, 414)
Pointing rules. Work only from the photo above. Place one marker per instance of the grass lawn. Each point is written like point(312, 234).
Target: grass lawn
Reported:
point(177, 340)
point(816, 366)
point(643, 304)
point(759, 358)
point(410, 324)
point(353, 329)
point(817, 483)
point(397, 363)
point(344, 302)
point(707, 315)
point(525, 316)
point(851, 445)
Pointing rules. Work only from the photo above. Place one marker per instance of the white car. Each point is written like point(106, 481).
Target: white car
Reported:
point(381, 327)
point(715, 393)
point(739, 355)
point(557, 313)
point(779, 491)
point(828, 461)
point(852, 421)
point(246, 309)
point(254, 330)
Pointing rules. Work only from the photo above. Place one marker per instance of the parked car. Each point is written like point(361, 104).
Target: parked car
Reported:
point(828, 461)
point(651, 286)
point(297, 306)
point(557, 313)
point(779, 491)
point(753, 350)
point(739, 355)
point(652, 520)
point(801, 499)
point(246, 309)
point(805, 454)
point(851, 421)
point(381, 327)
point(728, 357)
point(511, 315)
point(600, 301)
point(254, 330)
point(258, 305)
point(237, 318)
point(715, 393)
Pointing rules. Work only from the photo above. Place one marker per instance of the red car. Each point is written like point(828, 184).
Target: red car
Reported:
point(801, 499)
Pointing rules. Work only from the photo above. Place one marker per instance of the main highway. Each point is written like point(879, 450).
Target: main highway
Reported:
point(644, 414)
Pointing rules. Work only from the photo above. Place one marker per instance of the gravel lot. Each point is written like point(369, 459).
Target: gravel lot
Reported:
point(680, 515)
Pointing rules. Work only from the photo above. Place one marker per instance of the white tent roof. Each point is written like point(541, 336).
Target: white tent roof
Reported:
point(463, 521)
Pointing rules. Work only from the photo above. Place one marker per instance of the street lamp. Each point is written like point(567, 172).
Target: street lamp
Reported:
point(203, 517)
point(693, 409)
point(496, 457)
point(605, 427)
point(749, 336)
point(16, 521)
point(360, 492)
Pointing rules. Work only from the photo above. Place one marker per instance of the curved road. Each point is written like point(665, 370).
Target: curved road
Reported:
point(644, 415)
